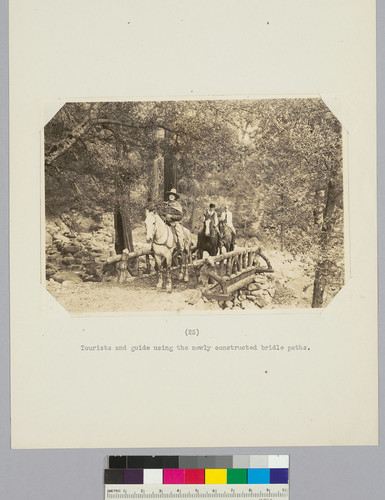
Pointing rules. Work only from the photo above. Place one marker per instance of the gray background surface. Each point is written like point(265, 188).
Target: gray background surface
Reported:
point(315, 472)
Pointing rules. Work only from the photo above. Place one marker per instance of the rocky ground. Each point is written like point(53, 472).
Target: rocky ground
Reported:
point(77, 248)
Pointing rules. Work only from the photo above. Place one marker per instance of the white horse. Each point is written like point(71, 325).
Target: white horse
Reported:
point(164, 244)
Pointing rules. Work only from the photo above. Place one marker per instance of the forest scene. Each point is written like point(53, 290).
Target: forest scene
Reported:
point(276, 163)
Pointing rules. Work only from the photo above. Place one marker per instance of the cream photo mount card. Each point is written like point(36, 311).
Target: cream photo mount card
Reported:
point(193, 256)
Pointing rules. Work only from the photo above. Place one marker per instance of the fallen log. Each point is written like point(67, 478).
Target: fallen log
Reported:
point(130, 255)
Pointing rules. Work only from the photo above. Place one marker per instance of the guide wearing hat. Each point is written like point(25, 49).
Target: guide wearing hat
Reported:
point(211, 212)
point(173, 213)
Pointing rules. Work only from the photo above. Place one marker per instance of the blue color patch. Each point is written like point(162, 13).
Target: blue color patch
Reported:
point(258, 476)
point(279, 476)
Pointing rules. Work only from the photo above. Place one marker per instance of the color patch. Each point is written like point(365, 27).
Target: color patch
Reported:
point(259, 461)
point(152, 462)
point(169, 462)
point(188, 462)
point(279, 476)
point(153, 476)
point(278, 461)
point(223, 462)
point(194, 476)
point(114, 476)
point(133, 476)
point(236, 476)
point(207, 462)
point(117, 462)
point(258, 476)
point(216, 476)
point(173, 476)
point(241, 461)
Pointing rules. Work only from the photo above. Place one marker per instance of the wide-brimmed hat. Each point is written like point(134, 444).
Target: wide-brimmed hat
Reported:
point(173, 191)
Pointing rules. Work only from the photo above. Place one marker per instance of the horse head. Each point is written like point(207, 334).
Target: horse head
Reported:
point(150, 223)
point(208, 224)
point(222, 229)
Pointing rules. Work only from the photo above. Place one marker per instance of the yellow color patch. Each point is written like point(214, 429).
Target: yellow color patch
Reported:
point(216, 476)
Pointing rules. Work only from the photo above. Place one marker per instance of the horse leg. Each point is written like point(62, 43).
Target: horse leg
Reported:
point(190, 254)
point(180, 277)
point(187, 257)
point(185, 276)
point(182, 270)
point(158, 268)
point(168, 277)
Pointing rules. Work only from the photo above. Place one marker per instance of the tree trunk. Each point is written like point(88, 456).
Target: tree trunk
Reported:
point(318, 289)
point(319, 209)
point(193, 220)
point(124, 205)
point(170, 174)
point(324, 265)
point(155, 182)
point(155, 171)
point(123, 229)
point(282, 232)
point(171, 161)
point(118, 225)
point(260, 214)
point(282, 237)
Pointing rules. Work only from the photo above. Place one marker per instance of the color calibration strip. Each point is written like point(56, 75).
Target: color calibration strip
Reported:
point(188, 470)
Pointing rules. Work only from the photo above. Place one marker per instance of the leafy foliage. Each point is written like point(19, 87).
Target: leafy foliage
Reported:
point(273, 161)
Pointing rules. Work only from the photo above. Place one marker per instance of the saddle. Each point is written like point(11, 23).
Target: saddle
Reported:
point(178, 238)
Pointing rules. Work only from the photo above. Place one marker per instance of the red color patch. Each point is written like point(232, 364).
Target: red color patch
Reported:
point(194, 476)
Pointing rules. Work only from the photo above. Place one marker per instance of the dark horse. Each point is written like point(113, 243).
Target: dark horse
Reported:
point(226, 237)
point(208, 238)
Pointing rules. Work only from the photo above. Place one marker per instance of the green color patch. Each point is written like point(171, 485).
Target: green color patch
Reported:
point(236, 476)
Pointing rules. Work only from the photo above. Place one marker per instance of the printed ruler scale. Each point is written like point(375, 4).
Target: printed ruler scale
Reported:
point(195, 477)
point(130, 492)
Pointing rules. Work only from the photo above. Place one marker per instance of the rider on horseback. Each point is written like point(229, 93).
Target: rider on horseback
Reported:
point(227, 218)
point(173, 213)
point(212, 214)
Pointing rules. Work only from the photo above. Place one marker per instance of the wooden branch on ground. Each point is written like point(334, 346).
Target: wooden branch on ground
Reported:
point(130, 255)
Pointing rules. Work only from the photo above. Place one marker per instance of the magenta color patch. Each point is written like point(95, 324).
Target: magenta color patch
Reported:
point(173, 476)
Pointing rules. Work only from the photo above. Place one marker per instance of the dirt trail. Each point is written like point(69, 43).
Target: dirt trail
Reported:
point(139, 296)
point(83, 293)
point(292, 280)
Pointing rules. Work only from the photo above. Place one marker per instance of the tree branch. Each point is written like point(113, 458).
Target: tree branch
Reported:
point(71, 138)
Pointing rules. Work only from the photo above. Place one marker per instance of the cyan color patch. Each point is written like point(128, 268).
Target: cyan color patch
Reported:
point(258, 476)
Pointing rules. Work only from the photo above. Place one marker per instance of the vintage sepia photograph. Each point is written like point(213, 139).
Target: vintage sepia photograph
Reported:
point(198, 260)
point(194, 205)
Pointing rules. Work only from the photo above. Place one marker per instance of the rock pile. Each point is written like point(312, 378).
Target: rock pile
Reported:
point(77, 247)
point(260, 293)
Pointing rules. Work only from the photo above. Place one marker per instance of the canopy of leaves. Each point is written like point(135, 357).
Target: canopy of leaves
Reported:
point(271, 160)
